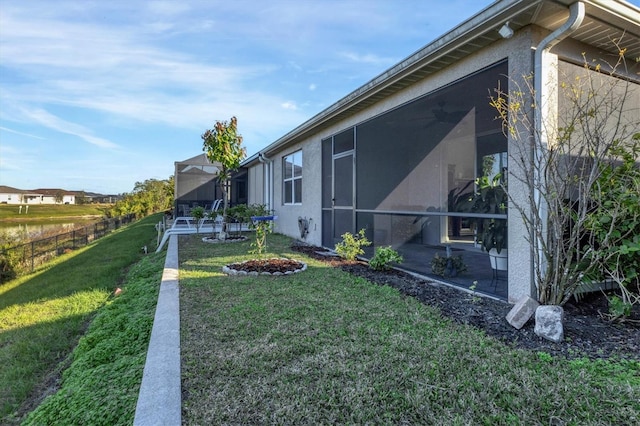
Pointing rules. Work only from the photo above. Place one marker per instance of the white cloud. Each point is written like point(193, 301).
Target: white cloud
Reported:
point(50, 121)
point(289, 105)
point(152, 76)
point(5, 129)
point(368, 58)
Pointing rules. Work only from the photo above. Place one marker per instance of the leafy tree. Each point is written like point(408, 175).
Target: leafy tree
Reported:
point(81, 198)
point(59, 197)
point(147, 197)
point(223, 144)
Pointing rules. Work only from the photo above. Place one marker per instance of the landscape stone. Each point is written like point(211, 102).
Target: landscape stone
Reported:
point(549, 319)
point(522, 311)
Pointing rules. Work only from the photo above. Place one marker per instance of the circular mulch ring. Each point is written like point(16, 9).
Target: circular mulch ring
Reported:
point(227, 240)
point(273, 266)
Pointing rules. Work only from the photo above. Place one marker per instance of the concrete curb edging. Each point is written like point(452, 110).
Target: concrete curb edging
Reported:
point(160, 397)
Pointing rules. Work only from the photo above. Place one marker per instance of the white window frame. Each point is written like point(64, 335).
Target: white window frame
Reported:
point(295, 158)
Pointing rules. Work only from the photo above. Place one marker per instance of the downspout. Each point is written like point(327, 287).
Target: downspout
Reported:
point(542, 113)
point(268, 179)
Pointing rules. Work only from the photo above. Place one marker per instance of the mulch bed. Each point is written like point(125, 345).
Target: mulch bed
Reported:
point(271, 266)
point(587, 332)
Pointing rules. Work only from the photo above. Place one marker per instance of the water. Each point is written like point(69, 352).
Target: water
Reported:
point(34, 230)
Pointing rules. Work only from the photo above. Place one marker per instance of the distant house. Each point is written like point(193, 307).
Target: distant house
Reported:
point(93, 197)
point(55, 196)
point(10, 195)
point(388, 157)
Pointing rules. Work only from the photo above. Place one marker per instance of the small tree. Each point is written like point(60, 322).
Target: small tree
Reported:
point(560, 162)
point(223, 144)
point(59, 197)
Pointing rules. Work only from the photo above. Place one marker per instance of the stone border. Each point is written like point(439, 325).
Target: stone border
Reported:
point(234, 272)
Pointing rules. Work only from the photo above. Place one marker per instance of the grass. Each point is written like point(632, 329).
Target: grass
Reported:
point(49, 211)
point(43, 315)
point(325, 347)
point(102, 384)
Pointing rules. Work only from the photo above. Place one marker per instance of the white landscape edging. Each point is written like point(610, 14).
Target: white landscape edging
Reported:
point(160, 397)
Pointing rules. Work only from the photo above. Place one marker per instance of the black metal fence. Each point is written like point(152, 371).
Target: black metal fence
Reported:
point(24, 258)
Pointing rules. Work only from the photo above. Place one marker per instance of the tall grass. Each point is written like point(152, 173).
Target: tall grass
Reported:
point(325, 347)
point(42, 315)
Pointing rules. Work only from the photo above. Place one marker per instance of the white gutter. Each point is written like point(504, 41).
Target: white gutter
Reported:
point(545, 110)
point(268, 179)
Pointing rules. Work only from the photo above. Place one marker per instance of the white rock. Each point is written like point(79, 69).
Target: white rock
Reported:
point(549, 319)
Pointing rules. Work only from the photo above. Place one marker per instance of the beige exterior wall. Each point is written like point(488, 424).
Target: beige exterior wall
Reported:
point(520, 54)
point(516, 49)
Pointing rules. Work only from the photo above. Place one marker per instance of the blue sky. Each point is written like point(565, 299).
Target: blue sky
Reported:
point(96, 95)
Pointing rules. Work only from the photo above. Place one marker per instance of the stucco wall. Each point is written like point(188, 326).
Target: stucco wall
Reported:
point(310, 208)
point(518, 50)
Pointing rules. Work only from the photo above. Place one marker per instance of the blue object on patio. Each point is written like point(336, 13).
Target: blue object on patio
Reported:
point(263, 218)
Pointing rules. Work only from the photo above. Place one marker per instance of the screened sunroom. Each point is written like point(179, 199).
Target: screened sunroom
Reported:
point(196, 184)
point(406, 176)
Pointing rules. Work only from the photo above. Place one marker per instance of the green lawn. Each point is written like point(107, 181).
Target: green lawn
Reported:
point(49, 211)
point(324, 347)
point(42, 315)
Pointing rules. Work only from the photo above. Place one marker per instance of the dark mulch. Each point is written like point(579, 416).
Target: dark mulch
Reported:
point(587, 332)
point(267, 265)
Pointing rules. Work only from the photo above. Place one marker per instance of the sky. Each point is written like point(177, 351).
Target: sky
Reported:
point(99, 95)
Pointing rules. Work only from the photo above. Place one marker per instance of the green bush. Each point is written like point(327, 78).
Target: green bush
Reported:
point(447, 266)
point(351, 246)
point(383, 257)
point(9, 262)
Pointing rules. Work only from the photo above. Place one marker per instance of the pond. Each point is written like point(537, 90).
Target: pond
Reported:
point(36, 228)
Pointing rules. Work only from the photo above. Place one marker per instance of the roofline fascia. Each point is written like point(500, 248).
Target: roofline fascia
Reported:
point(491, 17)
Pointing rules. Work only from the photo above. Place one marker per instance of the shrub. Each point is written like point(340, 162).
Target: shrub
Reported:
point(383, 257)
point(447, 266)
point(351, 246)
point(198, 213)
point(7, 266)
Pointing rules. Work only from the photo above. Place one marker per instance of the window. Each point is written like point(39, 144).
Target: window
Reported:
point(292, 181)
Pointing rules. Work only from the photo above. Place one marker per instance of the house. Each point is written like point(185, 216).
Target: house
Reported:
point(53, 196)
point(391, 156)
point(9, 195)
point(196, 184)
